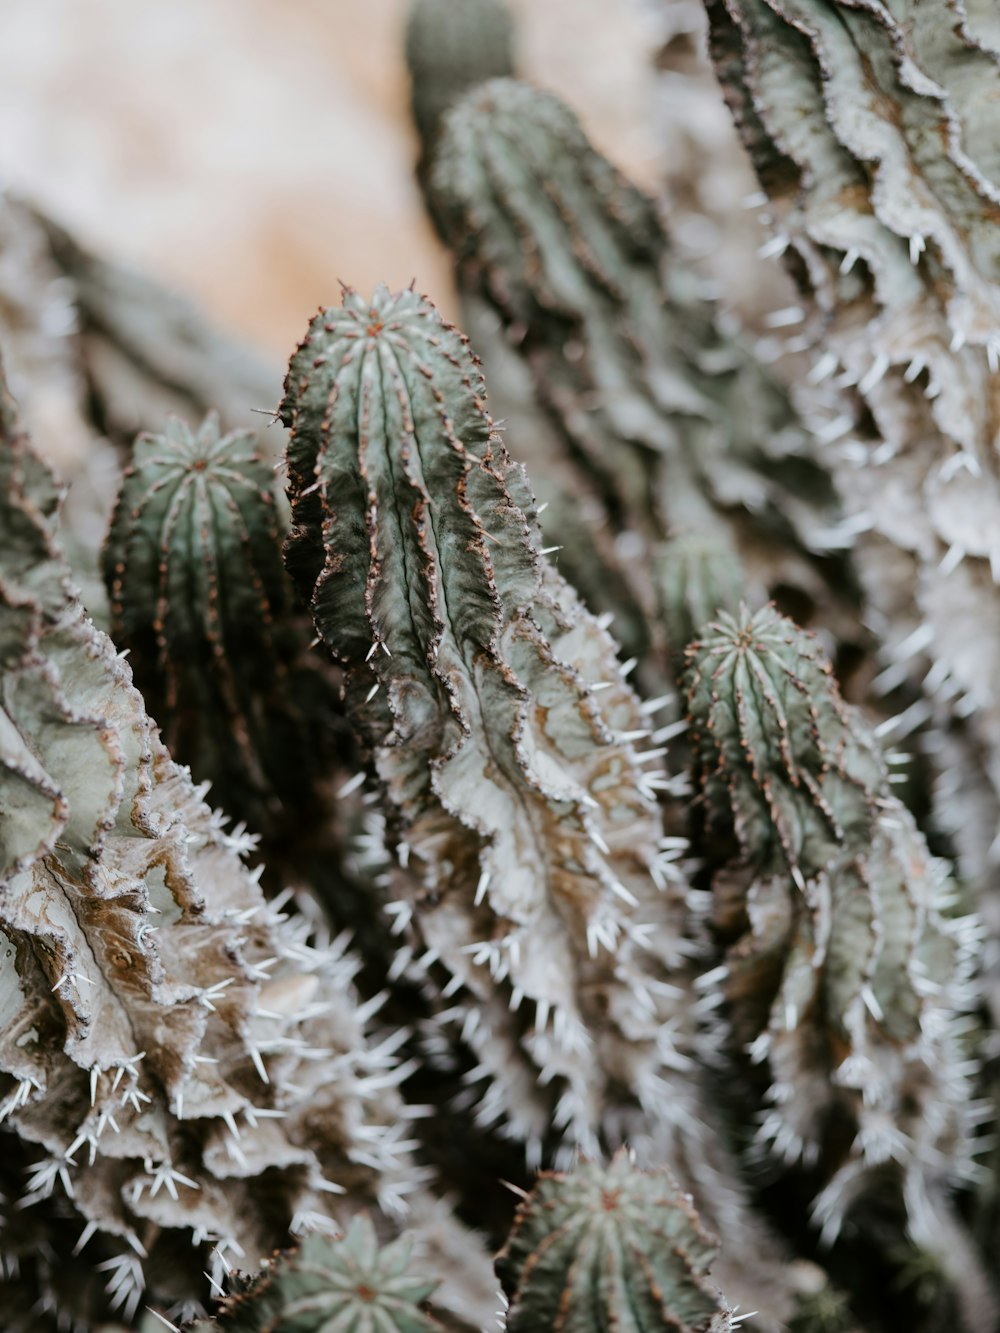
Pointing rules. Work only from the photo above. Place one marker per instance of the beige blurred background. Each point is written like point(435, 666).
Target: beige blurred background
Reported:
point(253, 152)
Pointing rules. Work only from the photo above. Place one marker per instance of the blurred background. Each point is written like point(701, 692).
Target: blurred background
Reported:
point(250, 153)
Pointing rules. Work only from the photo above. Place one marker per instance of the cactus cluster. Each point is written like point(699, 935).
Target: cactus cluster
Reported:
point(643, 923)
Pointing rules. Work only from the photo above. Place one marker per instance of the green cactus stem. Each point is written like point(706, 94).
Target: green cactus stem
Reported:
point(848, 967)
point(674, 423)
point(199, 598)
point(695, 579)
point(610, 1247)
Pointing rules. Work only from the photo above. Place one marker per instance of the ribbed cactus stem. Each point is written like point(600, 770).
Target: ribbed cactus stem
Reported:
point(873, 129)
point(200, 599)
point(603, 1247)
point(527, 818)
point(696, 577)
point(849, 966)
point(675, 423)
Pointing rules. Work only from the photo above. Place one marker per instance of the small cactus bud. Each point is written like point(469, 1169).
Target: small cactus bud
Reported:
point(349, 1283)
point(604, 1247)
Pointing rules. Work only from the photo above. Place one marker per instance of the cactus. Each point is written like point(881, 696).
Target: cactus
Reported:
point(452, 45)
point(169, 1041)
point(873, 130)
point(589, 1245)
point(528, 824)
point(346, 1282)
point(198, 596)
point(695, 579)
point(675, 424)
point(848, 968)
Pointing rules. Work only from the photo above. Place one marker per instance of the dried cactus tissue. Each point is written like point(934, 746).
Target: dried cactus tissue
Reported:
point(503, 833)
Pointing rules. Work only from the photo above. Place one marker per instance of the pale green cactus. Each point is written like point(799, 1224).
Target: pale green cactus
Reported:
point(848, 967)
point(199, 597)
point(168, 1039)
point(610, 1247)
point(675, 424)
point(350, 1283)
point(873, 129)
point(695, 579)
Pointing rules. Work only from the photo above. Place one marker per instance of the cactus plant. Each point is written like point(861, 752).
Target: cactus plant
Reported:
point(848, 966)
point(678, 427)
point(198, 596)
point(346, 1282)
point(873, 131)
point(168, 1037)
point(590, 1244)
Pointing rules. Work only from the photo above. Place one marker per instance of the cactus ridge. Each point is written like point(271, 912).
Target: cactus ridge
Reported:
point(589, 1244)
point(849, 969)
point(199, 597)
point(347, 1282)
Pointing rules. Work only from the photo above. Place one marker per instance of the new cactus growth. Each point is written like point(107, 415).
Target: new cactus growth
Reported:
point(598, 1245)
point(349, 1283)
point(676, 425)
point(200, 598)
point(848, 967)
point(695, 578)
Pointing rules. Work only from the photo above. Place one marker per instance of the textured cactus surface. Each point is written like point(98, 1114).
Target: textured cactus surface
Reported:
point(199, 597)
point(179, 1061)
point(348, 1283)
point(599, 1245)
point(848, 969)
point(696, 578)
point(676, 424)
point(525, 814)
point(873, 129)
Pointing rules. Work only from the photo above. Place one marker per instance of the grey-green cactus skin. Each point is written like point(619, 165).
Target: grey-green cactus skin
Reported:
point(517, 797)
point(848, 968)
point(607, 1247)
point(350, 1283)
point(874, 130)
point(166, 1037)
point(696, 578)
point(451, 46)
point(676, 424)
point(199, 597)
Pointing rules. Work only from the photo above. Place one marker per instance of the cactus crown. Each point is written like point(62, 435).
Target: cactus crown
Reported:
point(349, 1283)
point(590, 1243)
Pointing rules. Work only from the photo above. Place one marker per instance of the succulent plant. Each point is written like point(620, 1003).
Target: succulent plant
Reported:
point(675, 424)
point(526, 817)
point(180, 1061)
point(199, 597)
point(695, 579)
point(350, 1283)
point(607, 1247)
point(873, 129)
point(848, 967)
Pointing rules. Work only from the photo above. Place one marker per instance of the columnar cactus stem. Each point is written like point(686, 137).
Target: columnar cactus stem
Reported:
point(179, 1061)
point(849, 970)
point(199, 597)
point(873, 129)
point(677, 425)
